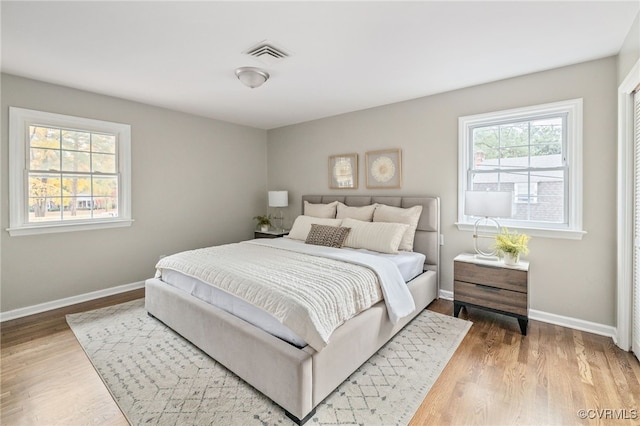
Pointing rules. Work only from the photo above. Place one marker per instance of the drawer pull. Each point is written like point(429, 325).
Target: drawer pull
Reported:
point(485, 287)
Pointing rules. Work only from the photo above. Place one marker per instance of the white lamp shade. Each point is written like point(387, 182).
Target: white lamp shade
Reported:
point(278, 198)
point(488, 203)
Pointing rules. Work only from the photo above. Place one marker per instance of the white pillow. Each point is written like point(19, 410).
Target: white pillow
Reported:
point(377, 236)
point(302, 226)
point(364, 213)
point(320, 210)
point(410, 216)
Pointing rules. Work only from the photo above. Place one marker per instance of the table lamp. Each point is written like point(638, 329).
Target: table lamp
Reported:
point(279, 199)
point(487, 205)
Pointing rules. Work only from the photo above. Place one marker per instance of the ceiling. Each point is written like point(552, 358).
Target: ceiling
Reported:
point(344, 56)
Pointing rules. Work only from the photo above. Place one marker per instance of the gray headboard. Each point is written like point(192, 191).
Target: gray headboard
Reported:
point(427, 239)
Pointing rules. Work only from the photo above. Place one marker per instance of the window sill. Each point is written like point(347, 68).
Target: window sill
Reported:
point(68, 227)
point(567, 234)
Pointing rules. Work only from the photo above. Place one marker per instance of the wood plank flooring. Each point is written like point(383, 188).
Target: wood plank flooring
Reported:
point(496, 377)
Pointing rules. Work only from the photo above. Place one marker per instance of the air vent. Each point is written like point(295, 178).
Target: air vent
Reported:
point(267, 53)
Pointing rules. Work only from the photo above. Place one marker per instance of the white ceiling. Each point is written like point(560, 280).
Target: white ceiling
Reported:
point(346, 56)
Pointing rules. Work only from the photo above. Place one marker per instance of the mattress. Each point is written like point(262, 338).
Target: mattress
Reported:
point(410, 265)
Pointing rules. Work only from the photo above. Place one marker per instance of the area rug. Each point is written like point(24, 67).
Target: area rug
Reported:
point(157, 377)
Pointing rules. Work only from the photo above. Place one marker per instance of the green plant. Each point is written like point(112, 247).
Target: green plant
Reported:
point(263, 220)
point(512, 243)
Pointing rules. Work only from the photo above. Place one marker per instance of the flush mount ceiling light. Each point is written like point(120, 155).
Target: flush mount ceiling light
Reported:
point(252, 77)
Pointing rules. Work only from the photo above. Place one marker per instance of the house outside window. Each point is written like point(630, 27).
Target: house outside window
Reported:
point(67, 173)
point(534, 152)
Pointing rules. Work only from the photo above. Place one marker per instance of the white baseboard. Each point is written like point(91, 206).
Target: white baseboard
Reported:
point(574, 323)
point(61, 303)
point(577, 324)
point(446, 295)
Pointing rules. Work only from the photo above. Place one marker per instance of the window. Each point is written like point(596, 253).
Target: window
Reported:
point(67, 173)
point(535, 152)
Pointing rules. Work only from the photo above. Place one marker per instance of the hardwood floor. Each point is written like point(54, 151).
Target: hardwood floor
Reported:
point(496, 377)
point(499, 377)
point(45, 376)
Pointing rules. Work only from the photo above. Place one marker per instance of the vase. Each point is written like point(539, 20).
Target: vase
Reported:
point(264, 228)
point(510, 259)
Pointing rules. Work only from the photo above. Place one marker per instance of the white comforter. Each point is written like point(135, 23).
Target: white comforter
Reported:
point(310, 289)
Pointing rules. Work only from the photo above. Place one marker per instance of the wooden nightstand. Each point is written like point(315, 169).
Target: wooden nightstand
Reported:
point(270, 234)
point(493, 286)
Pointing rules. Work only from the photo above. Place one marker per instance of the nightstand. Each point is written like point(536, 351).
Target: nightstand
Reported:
point(270, 234)
point(493, 286)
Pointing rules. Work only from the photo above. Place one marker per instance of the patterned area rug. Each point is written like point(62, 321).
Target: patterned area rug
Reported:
point(157, 377)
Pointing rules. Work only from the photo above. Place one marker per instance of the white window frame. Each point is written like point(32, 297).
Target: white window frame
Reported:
point(19, 121)
point(572, 229)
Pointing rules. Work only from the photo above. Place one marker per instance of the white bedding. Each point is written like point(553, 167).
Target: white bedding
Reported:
point(409, 263)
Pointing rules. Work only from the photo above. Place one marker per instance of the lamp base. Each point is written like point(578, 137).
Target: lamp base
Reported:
point(488, 255)
point(280, 220)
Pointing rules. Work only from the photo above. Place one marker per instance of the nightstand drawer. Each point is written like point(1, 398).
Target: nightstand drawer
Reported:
point(490, 297)
point(270, 234)
point(508, 279)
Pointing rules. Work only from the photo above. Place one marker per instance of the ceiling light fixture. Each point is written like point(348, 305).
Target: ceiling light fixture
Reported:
point(252, 77)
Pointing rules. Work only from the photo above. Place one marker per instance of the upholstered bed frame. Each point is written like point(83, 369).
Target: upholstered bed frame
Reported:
point(298, 379)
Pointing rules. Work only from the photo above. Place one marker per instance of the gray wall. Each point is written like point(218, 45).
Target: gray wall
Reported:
point(630, 50)
point(569, 278)
point(196, 182)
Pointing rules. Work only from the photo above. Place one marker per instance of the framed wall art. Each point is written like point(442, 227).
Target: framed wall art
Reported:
point(384, 168)
point(343, 171)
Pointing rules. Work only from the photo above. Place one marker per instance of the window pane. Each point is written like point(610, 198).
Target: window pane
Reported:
point(78, 141)
point(105, 186)
point(76, 186)
point(44, 209)
point(103, 143)
point(546, 136)
point(76, 208)
point(538, 196)
point(485, 145)
point(104, 163)
point(44, 185)
point(548, 204)
point(513, 158)
point(105, 191)
point(74, 161)
point(515, 135)
point(44, 197)
point(44, 159)
point(44, 137)
point(486, 182)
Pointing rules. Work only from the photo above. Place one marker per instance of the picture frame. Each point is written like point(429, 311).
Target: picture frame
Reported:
point(343, 171)
point(384, 168)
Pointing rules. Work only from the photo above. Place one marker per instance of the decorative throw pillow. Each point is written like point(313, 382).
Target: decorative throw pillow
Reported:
point(410, 216)
point(329, 236)
point(376, 236)
point(320, 210)
point(364, 213)
point(302, 226)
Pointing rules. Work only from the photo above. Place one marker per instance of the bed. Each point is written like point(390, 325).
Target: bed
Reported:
point(291, 372)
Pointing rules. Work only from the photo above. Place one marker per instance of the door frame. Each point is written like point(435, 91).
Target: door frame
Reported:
point(625, 208)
